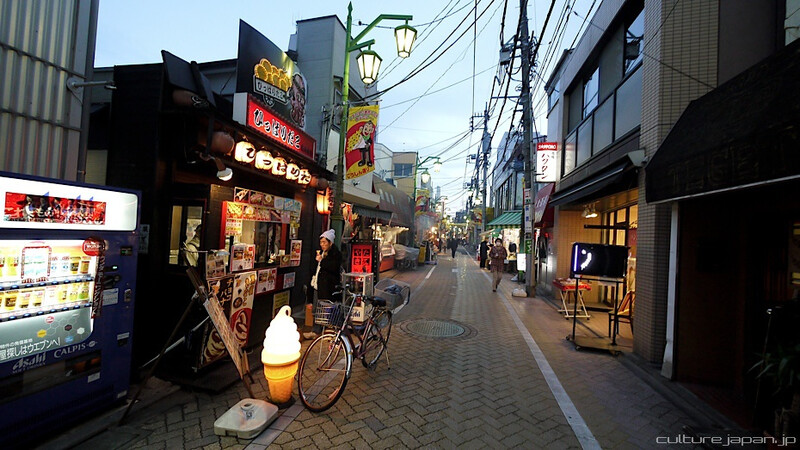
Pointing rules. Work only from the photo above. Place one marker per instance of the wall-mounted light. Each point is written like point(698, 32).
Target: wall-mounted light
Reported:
point(589, 212)
point(224, 173)
point(323, 202)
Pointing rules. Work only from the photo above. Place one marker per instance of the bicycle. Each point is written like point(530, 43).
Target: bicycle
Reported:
point(327, 363)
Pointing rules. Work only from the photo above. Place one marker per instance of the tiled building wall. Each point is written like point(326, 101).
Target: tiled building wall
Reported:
point(680, 65)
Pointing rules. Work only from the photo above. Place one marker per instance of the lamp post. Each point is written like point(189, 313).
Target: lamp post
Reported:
point(368, 63)
point(425, 176)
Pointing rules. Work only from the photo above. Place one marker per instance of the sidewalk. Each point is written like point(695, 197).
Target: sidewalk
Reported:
point(470, 368)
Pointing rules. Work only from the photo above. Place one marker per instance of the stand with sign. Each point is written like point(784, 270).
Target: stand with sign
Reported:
point(597, 262)
point(238, 355)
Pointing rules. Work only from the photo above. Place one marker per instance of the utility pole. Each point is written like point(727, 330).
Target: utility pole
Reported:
point(526, 231)
point(486, 149)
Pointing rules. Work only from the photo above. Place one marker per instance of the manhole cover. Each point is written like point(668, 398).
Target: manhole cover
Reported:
point(433, 328)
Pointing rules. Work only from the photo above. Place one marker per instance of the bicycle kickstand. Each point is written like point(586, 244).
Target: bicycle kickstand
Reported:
point(388, 365)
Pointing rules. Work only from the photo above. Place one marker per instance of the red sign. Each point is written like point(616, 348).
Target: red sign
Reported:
point(268, 124)
point(542, 197)
point(361, 258)
point(93, 246)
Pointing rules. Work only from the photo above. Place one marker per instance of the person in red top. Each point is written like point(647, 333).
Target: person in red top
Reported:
point(497, 255)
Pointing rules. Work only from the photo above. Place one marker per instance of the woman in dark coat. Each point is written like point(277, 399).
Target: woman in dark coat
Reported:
point(329, 267)
point(484, 250)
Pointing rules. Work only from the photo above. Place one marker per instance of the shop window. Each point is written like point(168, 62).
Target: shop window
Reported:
point(590, 92)
point(569, 152)
point(584, 142)
point(266, 236)
point(186, 227)
point(629, 105)
point(634, 43)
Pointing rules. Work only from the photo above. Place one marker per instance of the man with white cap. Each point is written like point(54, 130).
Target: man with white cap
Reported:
point(329, 263)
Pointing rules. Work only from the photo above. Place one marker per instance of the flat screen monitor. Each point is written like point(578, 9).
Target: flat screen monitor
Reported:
point(598, 260)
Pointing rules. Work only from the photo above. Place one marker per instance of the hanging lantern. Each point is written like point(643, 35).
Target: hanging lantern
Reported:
point(405, 36)
point(323, 203)
point(369, 63)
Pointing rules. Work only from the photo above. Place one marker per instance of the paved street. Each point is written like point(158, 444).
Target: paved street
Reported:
point(509, 380)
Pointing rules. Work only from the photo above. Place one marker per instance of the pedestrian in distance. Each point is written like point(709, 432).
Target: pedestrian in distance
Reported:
point(483, 252)
point(453, 246)
point(329, 263)
point(498, 255)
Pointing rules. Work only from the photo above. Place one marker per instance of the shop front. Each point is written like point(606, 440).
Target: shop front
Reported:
point(506, 227)
point(735, 278)
point(229, 188)
point(395, 230)
point(600, 209)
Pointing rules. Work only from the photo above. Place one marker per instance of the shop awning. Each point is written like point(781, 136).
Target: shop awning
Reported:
point(743, 133)
point(617, 177)
point(509, 219)
point(542, 212)
point(374, 213)
point(395, 201)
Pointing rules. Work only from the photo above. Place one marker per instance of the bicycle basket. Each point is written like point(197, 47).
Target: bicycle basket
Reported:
point(331, 314)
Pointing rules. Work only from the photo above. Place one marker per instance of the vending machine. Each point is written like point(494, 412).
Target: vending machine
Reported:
point(67, 278)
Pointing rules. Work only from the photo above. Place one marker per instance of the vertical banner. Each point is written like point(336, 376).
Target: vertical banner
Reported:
point(546, 162)
point(359, 149)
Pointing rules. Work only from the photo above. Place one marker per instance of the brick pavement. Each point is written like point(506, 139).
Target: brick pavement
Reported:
point(482, 389)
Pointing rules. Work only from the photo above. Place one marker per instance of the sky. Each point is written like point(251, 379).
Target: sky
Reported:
point(429, 113)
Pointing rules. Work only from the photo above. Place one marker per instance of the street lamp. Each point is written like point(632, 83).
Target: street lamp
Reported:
point(368, 64)
point(425, 177)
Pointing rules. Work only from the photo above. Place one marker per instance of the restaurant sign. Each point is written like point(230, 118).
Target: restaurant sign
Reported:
point(546, 154)
point(268, 73)
point(250, 112)
point(264, 160)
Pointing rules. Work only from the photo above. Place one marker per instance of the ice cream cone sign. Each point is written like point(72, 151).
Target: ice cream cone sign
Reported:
point(280, 355)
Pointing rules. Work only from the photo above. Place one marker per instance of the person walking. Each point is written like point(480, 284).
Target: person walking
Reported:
point(484, 249)
point(329, 263)
point(498, 255)
point(453, 246)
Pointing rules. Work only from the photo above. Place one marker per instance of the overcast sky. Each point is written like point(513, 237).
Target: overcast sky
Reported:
point(427, 113)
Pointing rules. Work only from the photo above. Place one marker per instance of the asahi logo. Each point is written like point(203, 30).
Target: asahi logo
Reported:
point(29, 363)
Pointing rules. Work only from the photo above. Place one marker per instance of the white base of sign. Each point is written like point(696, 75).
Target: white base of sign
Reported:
point(247, 419)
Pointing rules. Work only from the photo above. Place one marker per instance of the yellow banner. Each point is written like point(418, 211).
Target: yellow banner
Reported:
point(359, 150)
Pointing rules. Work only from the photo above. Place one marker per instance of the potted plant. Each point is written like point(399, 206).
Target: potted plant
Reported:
point(781, 367)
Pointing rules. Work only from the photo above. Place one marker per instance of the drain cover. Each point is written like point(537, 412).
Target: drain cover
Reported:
point(434, 328)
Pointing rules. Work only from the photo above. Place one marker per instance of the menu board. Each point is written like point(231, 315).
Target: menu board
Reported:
point(361, 257)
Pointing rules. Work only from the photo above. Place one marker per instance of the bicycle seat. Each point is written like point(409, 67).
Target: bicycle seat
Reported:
point(377, 301)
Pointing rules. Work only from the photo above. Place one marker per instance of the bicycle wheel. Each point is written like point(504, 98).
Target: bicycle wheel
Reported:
point(324, 371)
point(377, 338)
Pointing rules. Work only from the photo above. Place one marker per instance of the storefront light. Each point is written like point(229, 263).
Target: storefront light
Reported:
point(323, 202)
point(264, 160)
point(279, 167)
point(245, 152)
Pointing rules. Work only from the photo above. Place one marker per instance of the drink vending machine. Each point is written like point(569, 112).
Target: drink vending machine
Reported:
point(67, 278)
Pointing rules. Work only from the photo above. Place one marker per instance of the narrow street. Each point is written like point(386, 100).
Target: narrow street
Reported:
point(469, 369)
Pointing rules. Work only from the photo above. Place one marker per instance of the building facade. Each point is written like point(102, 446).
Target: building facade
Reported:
point(47, 48)
point(615, 102)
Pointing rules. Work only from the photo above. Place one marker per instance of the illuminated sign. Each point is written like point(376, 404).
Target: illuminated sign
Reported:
point(546, 167)
point(361, 257)
point(246, 153)
point(34, 204)
point(249, 112)
point(599, 260)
